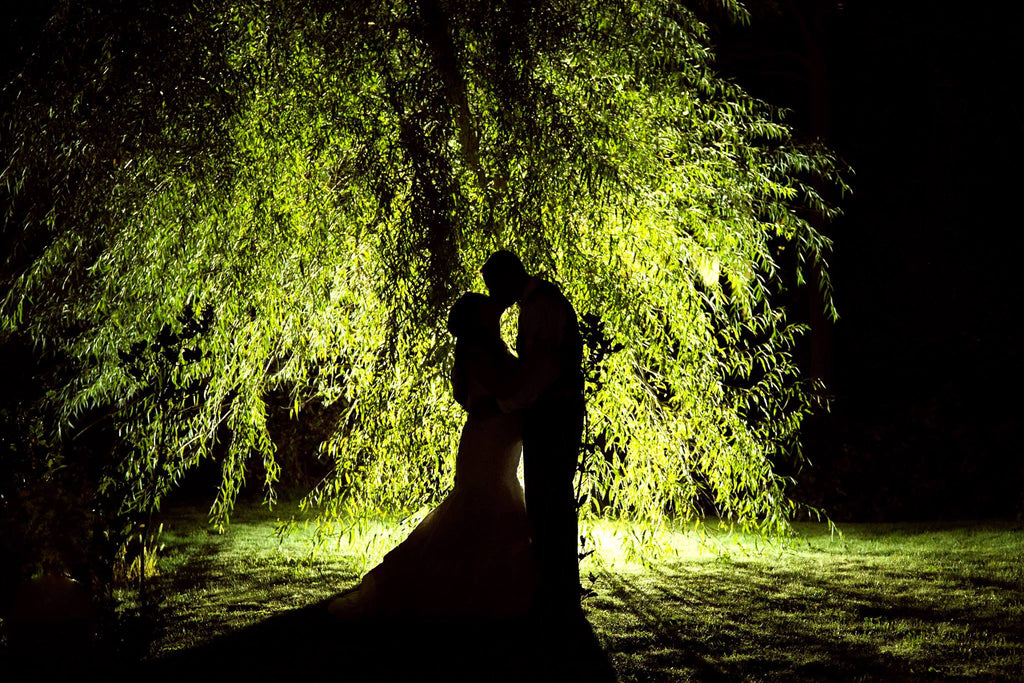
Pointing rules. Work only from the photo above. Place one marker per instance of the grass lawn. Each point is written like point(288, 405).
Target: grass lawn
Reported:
point(884, 602)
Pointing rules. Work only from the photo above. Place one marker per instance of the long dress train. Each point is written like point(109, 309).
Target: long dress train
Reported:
point(471, 555)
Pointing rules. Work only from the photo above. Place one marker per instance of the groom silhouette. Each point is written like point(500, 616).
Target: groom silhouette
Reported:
point(548, 388)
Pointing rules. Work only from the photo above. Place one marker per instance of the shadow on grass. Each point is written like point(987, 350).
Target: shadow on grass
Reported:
point(743, 644)
point(753, 621)
point(890, 603)
point(307, 644)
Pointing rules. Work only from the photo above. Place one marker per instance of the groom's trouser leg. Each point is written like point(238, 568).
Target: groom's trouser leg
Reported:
point(552, 434)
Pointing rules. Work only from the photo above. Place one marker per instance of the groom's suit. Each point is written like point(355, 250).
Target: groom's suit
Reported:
point(549, 389)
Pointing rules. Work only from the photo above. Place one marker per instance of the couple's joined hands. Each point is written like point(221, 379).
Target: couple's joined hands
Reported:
point(484, 408)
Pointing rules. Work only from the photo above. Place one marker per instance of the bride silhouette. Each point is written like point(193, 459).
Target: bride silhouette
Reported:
point(471, 556)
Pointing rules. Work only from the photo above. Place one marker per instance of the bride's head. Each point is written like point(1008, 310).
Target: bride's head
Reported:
point(475, 317)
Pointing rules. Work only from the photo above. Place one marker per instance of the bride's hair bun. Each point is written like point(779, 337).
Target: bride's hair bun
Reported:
point(466, 316)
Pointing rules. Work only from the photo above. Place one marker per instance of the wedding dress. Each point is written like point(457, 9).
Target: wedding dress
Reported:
point(471, 555)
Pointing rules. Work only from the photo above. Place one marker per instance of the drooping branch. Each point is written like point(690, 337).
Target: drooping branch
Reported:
point(437, 32)
point(317, 186)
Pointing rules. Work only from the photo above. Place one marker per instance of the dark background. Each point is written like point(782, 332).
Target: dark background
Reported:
point(921, 99)
point(924, 363)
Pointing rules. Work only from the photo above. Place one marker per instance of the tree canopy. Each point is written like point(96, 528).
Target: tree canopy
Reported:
point(208, 202)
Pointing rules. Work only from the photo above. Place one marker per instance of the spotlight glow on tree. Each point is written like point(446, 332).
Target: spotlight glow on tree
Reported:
point(212, 201)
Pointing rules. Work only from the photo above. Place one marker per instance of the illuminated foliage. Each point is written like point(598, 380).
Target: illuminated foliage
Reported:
point(211, 202)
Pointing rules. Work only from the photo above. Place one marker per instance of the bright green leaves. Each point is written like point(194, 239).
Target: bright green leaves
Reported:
point(324, 180)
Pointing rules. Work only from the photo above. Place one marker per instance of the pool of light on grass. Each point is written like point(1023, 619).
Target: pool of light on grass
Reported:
point(617, 545)
point(887, 601)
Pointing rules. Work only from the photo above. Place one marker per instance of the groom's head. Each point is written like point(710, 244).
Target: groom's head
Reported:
point(505, 277)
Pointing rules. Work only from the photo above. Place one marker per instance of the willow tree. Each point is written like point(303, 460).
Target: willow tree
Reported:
point(209, 202)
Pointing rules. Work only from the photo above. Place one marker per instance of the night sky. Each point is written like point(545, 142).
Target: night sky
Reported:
point(925, 361)
point(920, 99)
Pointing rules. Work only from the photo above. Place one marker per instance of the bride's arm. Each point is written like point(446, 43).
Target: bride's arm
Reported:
point(542, 330)
point(493, 371)
point(477, 376)
point(486, 373)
